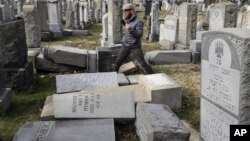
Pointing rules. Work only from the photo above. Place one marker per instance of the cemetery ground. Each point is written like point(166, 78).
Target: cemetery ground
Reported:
point(27, 106)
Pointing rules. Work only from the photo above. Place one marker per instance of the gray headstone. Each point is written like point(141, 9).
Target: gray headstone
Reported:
point(48, 65)
point(163, 90)
point(155, 122)
point(80, 33)
point(148, 6)
point(128, 68)
point(168, 57)
point(133, 79)
point(32, 27)
point(55, 24)
point(169, 30)
point(15, 53)
point(154, 31)
point(199, 34)
point(104, 59)
point(5, 100)
point(42, 9)
point(85, 81)
point(75, 130)
point(113, 105)
point(92, 61)
point(67, 55)
point(224, 82)
point(196, 57)
point(122, 79)
point(187, 22)
point(223, 15)
point(70, 22)
point(104, 41)
point(246, 20)
point(195, 45)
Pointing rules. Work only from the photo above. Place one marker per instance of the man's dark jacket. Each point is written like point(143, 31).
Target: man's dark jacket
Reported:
point(132, 37)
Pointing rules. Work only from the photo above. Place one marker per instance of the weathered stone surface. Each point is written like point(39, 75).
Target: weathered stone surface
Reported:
point(13, 44)
point(133, 79)
point(70, 19)
point(32, 55)
point(47, 65)
point(166, 45)
point(199, 34)
point(195, 45)
point(155, 122)
point(55, 25)
point(19, 78)
point(246, 20)
point(112, 105)
point(122, 79)
point(169, 30)
point(225, 82)
point(75, 130)
point(5, 100)
point(85, 81)
point(104, 59)
point(80, 33)
point(42, 9)
point(92, 61)
point(32, 26)
point(163, 90)
point(154, 29)
point(67, 55)
point(187, 22)
point(196, 57)
point(223, 15)
point(48, 109)
point(128, 68)
point(168, 57)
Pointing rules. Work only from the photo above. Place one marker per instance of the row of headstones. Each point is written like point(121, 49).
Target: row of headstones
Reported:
point(102, 98)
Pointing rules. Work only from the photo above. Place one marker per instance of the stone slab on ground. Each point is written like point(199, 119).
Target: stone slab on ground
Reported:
point(48, 109)
point(122, 79)
point(48, 65)
point(163, 90)
point(80, 32)
point(85, 81)
point(156, 122)
point(168, 57)
point(67, 55)
point(133, 79)
point(70, 130)
point(112, 105)
point(5, 100)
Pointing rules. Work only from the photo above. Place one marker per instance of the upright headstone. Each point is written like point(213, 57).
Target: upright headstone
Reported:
point(154, 33)
point(76, 8)
point(187, 23)
point(223, 15)
point(42, 9)
point(246, 20)
point(70, 22)
point(240, 16)
point(148, 6)
point(169, 31)
point(114, 25)
point(104, 40)
point(32, 28)
point(113, 105)
point(85, 81)
point(55, 25)
point(225, 79)
point(75, 130)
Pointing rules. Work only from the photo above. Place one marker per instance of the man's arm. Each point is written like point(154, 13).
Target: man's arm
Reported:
point(137, 32)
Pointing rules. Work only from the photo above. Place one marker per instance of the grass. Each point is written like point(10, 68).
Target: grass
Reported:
point(26, 106)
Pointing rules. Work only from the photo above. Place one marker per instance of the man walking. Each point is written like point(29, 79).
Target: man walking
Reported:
point(131, 40)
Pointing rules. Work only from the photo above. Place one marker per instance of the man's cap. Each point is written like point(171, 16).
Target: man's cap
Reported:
point(128, 6)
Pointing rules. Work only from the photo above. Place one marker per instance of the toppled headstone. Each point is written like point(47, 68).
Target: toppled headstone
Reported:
point(104, 59)
point(67, 55)
point(122, 79)
point(168, 57)
point(113, 105)
point(85, 81)
point(127, 68)
point(48, 109)
point(133, 79)
point(5, 100)
point(156, 122)
point(48, 65)
point(225, 82)
point(80, 33)
point(163, 90)
point(32, 26)
point(75, 130)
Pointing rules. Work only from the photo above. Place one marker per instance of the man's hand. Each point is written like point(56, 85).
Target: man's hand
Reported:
point(128, 26)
